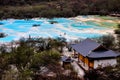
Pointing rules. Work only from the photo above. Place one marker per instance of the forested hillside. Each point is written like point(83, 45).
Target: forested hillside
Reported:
point(56, 8)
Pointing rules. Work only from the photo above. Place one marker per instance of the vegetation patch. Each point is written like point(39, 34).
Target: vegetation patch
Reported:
point(57, 8)
point(2, 35)
point(36, 25)
point(53, 22)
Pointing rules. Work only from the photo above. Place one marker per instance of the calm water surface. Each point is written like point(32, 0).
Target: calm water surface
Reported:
point(64, 27)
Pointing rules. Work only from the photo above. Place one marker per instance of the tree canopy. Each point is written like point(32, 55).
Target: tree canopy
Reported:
point(56, 8)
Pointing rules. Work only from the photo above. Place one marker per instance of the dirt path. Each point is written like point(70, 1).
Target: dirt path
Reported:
point(74, 64)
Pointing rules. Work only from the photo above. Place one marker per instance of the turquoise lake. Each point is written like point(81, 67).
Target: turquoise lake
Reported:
point(63, 27)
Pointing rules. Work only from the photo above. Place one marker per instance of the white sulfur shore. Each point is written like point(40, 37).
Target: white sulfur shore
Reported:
point(91, 18)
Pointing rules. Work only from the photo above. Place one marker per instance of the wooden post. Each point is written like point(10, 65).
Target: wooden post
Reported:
point(84, 60)
point(88, 64)
point(74, 53)
point(78, 58)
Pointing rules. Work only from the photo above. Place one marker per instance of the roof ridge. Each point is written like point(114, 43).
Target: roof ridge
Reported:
point(92, 50)
point(89, 53)
point(100, 45)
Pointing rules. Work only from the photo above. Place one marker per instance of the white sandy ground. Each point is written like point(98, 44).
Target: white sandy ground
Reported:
point(91, 18)
point(80, 18)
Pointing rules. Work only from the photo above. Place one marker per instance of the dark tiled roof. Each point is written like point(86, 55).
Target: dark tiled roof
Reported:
point(87, 47)
point(66, 59)
point(103, 54)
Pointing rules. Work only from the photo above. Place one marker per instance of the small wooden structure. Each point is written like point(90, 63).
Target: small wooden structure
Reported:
point(66, 61)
